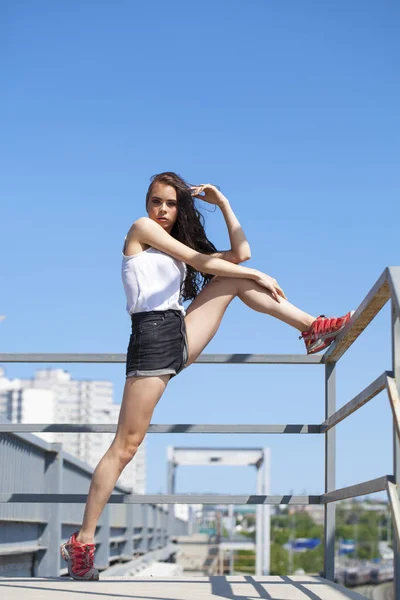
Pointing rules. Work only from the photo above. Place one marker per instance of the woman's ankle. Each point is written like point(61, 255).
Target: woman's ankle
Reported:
point(84, 538)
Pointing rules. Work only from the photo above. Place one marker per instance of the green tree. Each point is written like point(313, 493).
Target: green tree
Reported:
point(312, 561)
point(279, 560)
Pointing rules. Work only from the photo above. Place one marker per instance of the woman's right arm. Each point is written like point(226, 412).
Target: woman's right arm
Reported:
point(146, 231)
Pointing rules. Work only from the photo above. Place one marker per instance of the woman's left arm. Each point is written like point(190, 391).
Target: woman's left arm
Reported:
point(240, 248)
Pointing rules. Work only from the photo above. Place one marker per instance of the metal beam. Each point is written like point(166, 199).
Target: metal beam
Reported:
point(163, 499)
point(362, 398)
point(394, 284)
point(394, 402)
point(360, 489)
point(217, 456)
point(330, 474)
point(396, 441)
point(271, 359)
point(368, 309)
point(394, 503)
point(158, 428)
point(235, 359)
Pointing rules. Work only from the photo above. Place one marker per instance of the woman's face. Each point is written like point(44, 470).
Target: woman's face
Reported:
point(162, 206)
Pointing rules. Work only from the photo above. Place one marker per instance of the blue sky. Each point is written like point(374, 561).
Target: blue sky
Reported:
point(292, 109)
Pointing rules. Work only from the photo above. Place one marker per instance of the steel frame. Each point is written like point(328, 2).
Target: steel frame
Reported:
point(386, 288)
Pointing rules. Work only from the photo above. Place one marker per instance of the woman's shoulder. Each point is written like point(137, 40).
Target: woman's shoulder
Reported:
point(132, 246)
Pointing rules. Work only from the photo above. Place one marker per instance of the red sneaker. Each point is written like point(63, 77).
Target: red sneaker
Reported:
point(80, 559)
point(323, 331)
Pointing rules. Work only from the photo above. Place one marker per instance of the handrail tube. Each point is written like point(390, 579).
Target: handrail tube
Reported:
point(163, 499)
point(368, 309)
point(394, 503)
point(360, 489)
point(233, 359)
point(372, 390)
point(160, 428)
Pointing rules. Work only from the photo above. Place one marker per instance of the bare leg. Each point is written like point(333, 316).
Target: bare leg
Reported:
point(140, 398)
point(205, 313)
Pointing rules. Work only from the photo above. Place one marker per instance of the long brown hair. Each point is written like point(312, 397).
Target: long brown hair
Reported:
point(188, 229)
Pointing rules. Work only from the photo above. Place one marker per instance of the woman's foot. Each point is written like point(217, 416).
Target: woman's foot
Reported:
point(323, 331)
point(80, 559)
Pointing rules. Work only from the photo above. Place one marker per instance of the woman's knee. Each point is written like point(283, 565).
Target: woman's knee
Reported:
point(126, 448)
point(230, 285)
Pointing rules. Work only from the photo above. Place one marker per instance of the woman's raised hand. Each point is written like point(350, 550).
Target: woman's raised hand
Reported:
point(212, 195)
point(270, 284)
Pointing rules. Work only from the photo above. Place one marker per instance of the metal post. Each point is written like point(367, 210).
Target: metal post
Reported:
point(165, 532)
point(49, 562)
point(127, 550)
point(143, 545)
point(160, 539)
point(267, 513)
point(259, 524)
point(231, 513)
point(330, 473)
point(151, 527)
point(190, 530)
point(396, 442)
point(102, 538)
point(171, 488)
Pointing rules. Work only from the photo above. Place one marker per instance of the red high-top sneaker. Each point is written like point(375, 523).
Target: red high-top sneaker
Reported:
point(80, 559)
point(323, 331)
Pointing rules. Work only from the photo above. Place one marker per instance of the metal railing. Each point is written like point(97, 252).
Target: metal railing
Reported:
point(387, 287)
point(30, 534)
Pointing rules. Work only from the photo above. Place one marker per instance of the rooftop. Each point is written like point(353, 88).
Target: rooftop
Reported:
point(301, 587)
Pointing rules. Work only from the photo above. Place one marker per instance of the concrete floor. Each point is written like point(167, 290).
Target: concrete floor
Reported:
point(300, 587)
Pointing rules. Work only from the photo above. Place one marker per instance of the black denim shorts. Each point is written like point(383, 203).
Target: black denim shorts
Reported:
point(158, 344)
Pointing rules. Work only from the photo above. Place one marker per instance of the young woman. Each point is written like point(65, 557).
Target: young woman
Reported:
point(167, 258)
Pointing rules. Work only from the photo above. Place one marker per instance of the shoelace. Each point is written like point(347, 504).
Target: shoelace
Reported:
point(88, 557)
point(84, 556)
point(326, 325)
point(320, 326)
point(311, 332)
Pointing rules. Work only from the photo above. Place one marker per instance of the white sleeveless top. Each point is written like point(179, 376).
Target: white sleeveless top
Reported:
point(152, 281)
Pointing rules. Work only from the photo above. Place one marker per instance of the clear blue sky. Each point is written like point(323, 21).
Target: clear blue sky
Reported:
point(292, 109)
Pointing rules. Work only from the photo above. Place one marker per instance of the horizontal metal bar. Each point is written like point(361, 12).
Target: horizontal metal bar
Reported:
point(276, 359)
point(360, 489)
point(8, 549)
point(394, 503)
point(271, 359)
point(161, 499)
point(179, 428)
point(118, 539)
point(368, 309)
point(362, 398)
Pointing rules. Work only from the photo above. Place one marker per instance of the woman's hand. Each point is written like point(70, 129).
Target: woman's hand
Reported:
point(212, 195)
point(270, 284)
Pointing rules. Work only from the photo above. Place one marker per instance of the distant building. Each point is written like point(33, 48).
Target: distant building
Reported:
point(52, 396)
point(315, 511)
point(368, 505)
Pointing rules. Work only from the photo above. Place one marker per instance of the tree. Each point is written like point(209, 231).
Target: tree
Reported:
point(279, 560)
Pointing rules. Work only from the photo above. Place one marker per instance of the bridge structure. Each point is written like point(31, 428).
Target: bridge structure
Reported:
point(386, 288)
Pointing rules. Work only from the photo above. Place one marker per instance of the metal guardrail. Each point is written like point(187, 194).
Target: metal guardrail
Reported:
point(387, 287)
point(31, 533)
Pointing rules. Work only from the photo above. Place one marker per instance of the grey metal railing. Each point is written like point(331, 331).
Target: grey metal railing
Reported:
point(30, 534)
point(387, 287)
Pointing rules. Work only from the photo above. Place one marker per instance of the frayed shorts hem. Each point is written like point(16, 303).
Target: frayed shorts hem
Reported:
point(155, 373)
